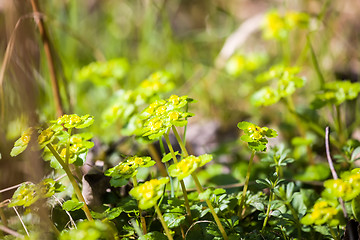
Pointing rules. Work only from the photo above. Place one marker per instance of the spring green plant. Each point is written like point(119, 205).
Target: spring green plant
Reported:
point(61, 146)
point(256, 138)
point(148, 194)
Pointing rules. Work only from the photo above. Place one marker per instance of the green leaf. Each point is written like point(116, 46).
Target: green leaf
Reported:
point(244, 125)
point(153, 236)
point(118, 182)
point(72, 205)
point(206, 194)
point(168, 157)
point(355, 154)
point(315, 173)
point(17, 150)
point(355, 207)
point(174, 219)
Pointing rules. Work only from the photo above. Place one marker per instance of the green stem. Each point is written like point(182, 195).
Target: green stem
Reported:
point(340, 129)
point(163, 223)
point(182, 184)
point(142, 219)
point(291, 108)
point(172, 190)
point(67, 155)
point(315, 62)
point(216, 218)
point(295, 215)
point(72, 181)
point(267, 211)
point(333, 234)
point(181, 143)
point(246, 183)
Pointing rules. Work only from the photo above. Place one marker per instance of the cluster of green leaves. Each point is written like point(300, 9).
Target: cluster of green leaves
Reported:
point(121, 173)
point(104, 73)
point(126, 105)
point(286, 83)
point(336, 93)
point(94, 230)
point(28, 193)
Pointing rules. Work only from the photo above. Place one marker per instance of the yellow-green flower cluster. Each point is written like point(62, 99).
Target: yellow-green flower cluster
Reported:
point(127, 169)
point(74, 121)
point(347, 187)
point(286, 83)
point(278, 27)
point(104, 73)
point(188, 165)
point(161, 115)
point(156, 82)
point(57, 134)
point(240, 63)
point(256, 136)
point(28, 193)
point(149, 192)
point(323, 212)
point(125, 106)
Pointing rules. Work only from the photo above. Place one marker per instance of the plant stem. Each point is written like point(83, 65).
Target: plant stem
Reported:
point(163, 223)
point(291, 108)
point(72, 181)
point(67, 155)
point(182, 184)
point(331, 166)
point(216, 218)
point(333, 234)
point(172, 190)
point(181, 143)
point(340, 129)
point(267, 211)
point(295, 215)
point(142, 219)
point(50, 59)
point(199, 187)
point(315, 62)
point(246, 183)
point(157, 159)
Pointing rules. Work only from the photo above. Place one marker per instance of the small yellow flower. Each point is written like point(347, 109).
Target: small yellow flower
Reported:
point(45, 135)
point(152, 107)
point(155, 124)
point(174, 99)
point(147, 189)
point(74, 119)
point(139, 161)
point(160, 110)
point(124, 168)
point(26, 138)
point(174, 116)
